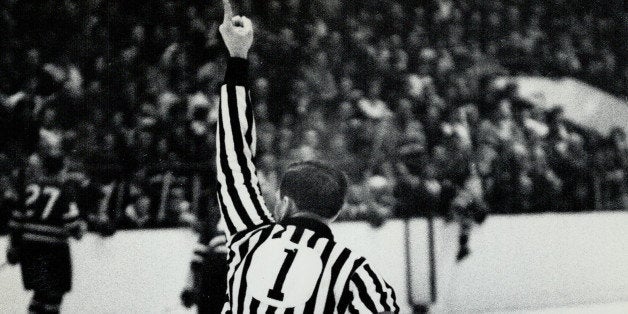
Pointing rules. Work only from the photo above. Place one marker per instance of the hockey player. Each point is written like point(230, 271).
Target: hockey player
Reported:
point(207, 282)
point(467, 207)
point(39, 236)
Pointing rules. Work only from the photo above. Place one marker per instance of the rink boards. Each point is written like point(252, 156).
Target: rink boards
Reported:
point(517, 262)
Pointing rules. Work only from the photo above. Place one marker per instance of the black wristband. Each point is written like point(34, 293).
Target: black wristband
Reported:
point(237, 71)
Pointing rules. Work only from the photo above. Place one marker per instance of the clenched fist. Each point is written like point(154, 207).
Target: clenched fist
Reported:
point(236, 31)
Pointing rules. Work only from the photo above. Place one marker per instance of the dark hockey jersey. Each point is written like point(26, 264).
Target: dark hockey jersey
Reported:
point(49, 214)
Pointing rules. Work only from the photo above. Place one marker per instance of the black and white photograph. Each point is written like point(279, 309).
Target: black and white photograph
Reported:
point(316, 157)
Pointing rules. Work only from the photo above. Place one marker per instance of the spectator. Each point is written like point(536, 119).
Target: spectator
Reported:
point(372, 106)
point(613, 165)
point(145, 89)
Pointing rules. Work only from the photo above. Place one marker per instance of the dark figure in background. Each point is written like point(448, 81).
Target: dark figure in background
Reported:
point(612, 164)
point(463, 188)
point(468, 207)
point(417, 191)
point(8, 193)
point(39, 236)
point(207, 282)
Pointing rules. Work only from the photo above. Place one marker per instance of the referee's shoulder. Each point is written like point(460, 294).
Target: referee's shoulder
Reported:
point(244, 235)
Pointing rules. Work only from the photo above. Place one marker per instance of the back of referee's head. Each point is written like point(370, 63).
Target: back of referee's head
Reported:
point(314, 188)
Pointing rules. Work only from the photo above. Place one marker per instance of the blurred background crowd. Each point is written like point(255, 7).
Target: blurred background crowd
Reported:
point(399, 94)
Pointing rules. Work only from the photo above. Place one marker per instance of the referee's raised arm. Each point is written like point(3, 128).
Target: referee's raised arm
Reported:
point(294, 265)
point(240, 200)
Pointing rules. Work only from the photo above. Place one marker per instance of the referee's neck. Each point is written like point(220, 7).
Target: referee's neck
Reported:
point(312, 222)
point(308, 215)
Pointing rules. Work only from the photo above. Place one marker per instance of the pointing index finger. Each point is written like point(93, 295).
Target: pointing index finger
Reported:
point(226, 4)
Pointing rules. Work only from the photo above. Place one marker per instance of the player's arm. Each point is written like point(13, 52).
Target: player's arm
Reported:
point(12, 253)
point(241, 203)
point(370, 293)
point(73, 224)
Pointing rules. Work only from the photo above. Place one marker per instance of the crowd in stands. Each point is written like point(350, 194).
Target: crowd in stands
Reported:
point(398, 94)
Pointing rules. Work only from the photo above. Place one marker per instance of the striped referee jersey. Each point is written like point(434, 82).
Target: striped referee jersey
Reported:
point(290, 267)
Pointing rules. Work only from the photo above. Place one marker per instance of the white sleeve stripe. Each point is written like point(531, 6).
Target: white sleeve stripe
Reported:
point(229, 211)
point(391, 294)
point(241, 101)
point(247, 302)
point(241, 97)
point(232, 158)
point(249, 152)
point(343, 275)
point(224, 217)
point(235, 168)
point(356, 302)
point(234, 247)
point(323, 288)
point(253, 133)
point(236, 272)
point(230, 207)
point(381, 288)
point(371, 288)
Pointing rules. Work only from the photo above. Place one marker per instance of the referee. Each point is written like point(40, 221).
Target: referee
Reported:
point(287, 262)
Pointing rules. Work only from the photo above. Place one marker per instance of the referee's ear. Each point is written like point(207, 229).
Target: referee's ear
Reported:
point(285, 208)
point(332, 219)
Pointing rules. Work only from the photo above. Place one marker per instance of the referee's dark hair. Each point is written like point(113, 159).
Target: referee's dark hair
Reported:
point(315, 187)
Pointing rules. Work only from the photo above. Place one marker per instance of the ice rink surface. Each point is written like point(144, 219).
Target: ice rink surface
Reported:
point(550, 263)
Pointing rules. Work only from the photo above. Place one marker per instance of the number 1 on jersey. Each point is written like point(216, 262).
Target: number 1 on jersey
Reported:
point(275, 292)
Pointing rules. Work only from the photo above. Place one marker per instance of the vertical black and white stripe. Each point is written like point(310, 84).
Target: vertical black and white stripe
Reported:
point(239, 194)
point(346, 283)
